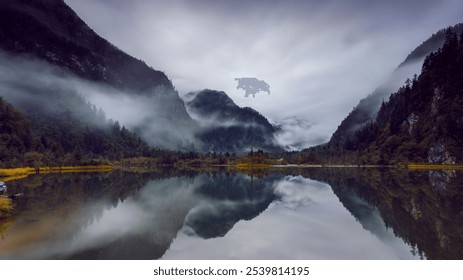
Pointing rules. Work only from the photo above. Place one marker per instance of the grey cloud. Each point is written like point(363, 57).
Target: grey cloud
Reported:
point(320, 57)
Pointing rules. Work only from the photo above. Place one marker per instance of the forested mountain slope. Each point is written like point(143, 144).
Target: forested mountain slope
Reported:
point(421, 122)
point(368, 107)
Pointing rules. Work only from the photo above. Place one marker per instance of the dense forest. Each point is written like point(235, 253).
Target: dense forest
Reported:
point(70, 141)
point(368, 107)
point(15, 134)
point(421, 122)
point(34, 139)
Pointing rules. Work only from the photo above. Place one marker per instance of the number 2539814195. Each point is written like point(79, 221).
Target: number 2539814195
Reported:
point(262, 270)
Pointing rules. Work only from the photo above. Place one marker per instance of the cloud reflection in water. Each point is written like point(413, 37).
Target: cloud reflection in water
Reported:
point(217, 216)
point(307, 221)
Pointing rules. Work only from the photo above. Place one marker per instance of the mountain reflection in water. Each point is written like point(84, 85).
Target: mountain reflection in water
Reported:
point(314, 213)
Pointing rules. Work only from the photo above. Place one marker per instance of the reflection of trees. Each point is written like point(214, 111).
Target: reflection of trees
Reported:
point(419, 208)
point(53, 205)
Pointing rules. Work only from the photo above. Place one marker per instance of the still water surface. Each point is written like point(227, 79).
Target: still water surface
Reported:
point(283, 214)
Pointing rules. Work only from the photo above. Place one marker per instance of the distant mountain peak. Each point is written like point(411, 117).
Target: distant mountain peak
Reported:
point(213, 97)
point(228, 127)
point(431, 44)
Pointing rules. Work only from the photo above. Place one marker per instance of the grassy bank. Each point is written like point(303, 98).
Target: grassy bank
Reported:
point(252, 165)
point(410, 166)
point(424, 166)
point(6, 206)
point(9, 174)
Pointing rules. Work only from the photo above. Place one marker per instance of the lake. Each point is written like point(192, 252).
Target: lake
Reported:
point(306, 213)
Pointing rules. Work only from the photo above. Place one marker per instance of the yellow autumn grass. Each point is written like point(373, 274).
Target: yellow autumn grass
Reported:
point(88, 168)
point(9, 174)
point(424, 166)
point(5, 206)
point(252, 165)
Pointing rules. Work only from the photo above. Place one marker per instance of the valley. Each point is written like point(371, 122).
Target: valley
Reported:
point(102, 157)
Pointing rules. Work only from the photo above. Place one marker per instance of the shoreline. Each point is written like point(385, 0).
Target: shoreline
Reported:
point(410, 166)
point(9, 174)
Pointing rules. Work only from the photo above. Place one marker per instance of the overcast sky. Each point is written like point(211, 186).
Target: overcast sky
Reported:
point(320, 57)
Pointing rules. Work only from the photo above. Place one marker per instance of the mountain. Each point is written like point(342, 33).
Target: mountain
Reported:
point(422, 121)
point(50, 31)
point(432, 44)
point(368, 107)
point(227, 127)
point(69, 134)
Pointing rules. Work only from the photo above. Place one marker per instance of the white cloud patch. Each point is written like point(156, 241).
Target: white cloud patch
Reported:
point(297, 134)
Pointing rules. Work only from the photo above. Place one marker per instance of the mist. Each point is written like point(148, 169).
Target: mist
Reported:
point(226, 127)
point(297, 134)
point(207, 119)
point(319, 57)
point(34, 85)
point(156, 116)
